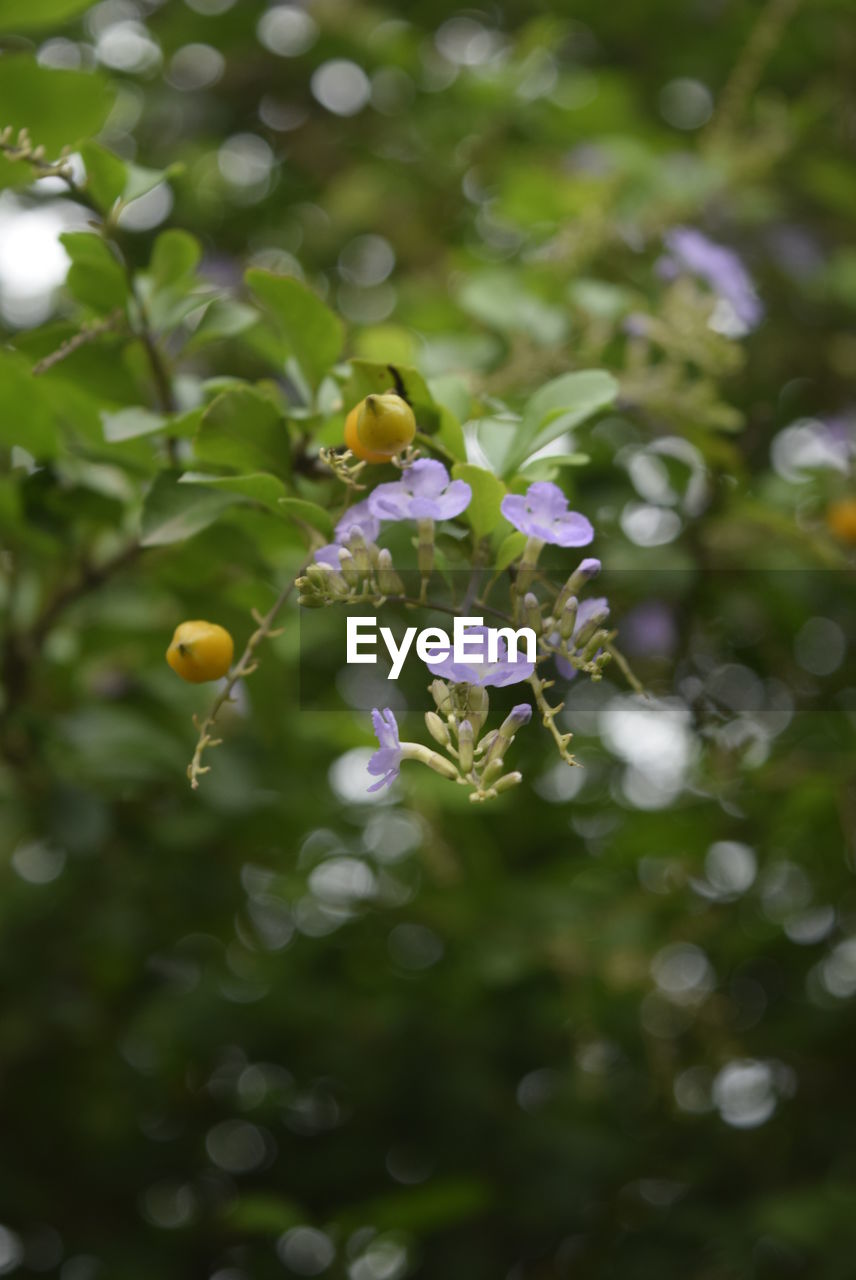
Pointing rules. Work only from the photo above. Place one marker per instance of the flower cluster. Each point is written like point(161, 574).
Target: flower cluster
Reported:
point(688, 250)
point(561, 626)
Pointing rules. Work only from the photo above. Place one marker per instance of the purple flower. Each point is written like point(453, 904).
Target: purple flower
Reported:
point(424, 492)
point(587, 610)
point(720, 268)
point(649, 629)
point(358, 517)
point(386, 761)
point(499, 674)
point(542, 512)
point(327, 557)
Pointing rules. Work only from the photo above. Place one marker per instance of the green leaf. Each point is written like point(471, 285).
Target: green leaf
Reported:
point(25, 414)
point(175, 257)
point(373, 377)
point(509, 549)
point(488, 492)
point(310, 330)
point(498, 300)
point(127, 424)
point(106, 174)
point(173, 511)
point(37, 15)
point(557, 407)
point(59, 108)
point(141, 181)
point(546, 468)
point(95, 277)
point(244, 430)
point(260, 487)
point(309, 513)
point(222, 319)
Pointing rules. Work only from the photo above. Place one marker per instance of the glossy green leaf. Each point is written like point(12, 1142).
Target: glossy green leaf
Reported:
point(244, 430)
point(557, 407)
point(310, 330)
point(260, 487)
point(106, 174)
point(37, 15)
point(58, 107)
point(25, 414)
point(488, 492)
point(309, 513)
point(175, 257)
point(509, 549)
point(95, 276)
point(173, 512)
point(128, 424)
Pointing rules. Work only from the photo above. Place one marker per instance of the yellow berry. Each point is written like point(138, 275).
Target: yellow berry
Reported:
point(841, 519)
point(353, 441)
point(380, 427)
point(200, 651)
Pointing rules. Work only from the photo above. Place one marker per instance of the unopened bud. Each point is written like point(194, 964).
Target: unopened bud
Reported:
point(584, 572)
point(439, 691)
point(349, 569)
point(532, 613)
point(437, 728)
point(568, 619)
point(387, 579)
point(586, 632)
point(359, 550)
point(508, 781)
point(465, 746)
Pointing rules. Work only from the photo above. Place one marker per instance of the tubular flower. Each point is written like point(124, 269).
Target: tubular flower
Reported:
point(424, 492)
point(542, 513)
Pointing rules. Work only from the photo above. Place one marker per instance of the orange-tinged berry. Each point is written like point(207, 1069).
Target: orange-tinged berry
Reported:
point(353, 441)
point(200, 651)
point(841, 519)
point(386, 424)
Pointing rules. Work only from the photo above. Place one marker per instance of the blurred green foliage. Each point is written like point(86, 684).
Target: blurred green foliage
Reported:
point(273, 1026)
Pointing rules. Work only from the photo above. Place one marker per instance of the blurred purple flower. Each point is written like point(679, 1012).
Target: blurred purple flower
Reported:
point(588, 609)
point(358, 517)
point(424, 492)
point(721, 268)
point(386, 761)
point(328, 556)
point(542, 512)
point(649, 629)
point(498, 674)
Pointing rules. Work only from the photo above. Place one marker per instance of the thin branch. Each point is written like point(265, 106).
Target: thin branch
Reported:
point(88, 333)
point(245, 666)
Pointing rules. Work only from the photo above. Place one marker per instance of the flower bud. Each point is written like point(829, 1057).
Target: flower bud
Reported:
point(532, 613)
point(585, 633)
point(508, 781)
point(478, 706)
point(584, 572)
point(568, 620)
point(349, 569)
point(437, 728)
point(439, 691)
point(387, 579)
point(359, 551)
point(465, 746)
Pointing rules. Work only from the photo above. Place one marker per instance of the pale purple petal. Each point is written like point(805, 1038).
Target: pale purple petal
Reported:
point(424, 492)
point(327, 557)
point(358, 517)
point(386, 761)
point(495, 674)
point(542, 513)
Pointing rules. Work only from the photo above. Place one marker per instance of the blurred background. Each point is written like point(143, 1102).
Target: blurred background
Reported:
point(280, 1027)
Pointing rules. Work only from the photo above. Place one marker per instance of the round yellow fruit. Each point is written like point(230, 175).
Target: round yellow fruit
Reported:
point(200, 651)
point(353, 441)
point(841, 519)
point(386, 424)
